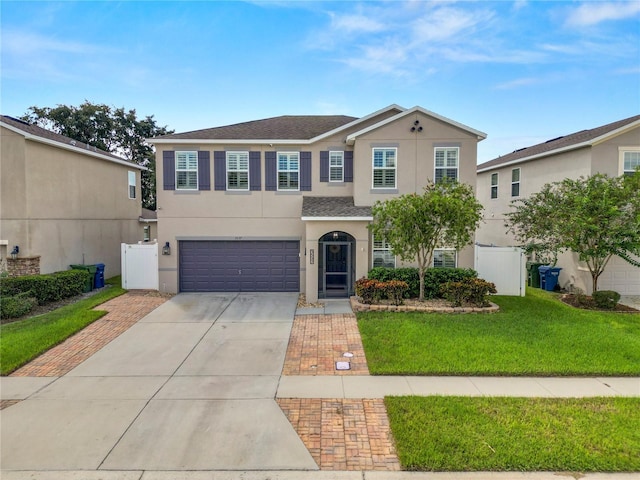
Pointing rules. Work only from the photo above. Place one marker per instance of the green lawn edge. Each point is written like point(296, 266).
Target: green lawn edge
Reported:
point(536, 335)
point(24, 340)
point(458, 434)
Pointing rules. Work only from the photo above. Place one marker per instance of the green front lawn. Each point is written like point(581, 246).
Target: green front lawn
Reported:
point(24, 340)
point(516, 434)
point(532, 335)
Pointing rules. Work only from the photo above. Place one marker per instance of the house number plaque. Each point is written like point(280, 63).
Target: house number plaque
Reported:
point(311, 255)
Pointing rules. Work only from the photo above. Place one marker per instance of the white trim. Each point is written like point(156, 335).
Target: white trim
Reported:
point(341, 152)
point(621, 152)
point(445, 249)
point(135, 181)
point(352, 138)
point(226, 159)
point(445, 166)
point(373, 168)
point(519, 182)
point(588, 143)
point(491, 185)
point(336, 219)
point(278, 189)
point(187, 171)
point(276, 141)
point(64, 146)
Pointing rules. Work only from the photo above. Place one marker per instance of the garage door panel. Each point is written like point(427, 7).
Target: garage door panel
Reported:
point(251, 266)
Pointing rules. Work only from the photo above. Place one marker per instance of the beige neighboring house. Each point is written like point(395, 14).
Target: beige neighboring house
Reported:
point(149, 221)
point(283, 203)
point(63, 202)
point(612, 149)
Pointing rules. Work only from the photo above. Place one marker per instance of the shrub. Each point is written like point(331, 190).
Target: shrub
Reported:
point(369, 290)
point(469, 290)
point(433, 278)
point(395, 290)
point(17, 305)
point(607, 299)
point(46, 288)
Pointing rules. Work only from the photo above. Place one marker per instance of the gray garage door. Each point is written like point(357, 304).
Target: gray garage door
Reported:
point(242, 266)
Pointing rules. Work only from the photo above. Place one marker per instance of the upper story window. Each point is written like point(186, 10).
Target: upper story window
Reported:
point(288, 171)
point(444, 258)
point(446, 163)
point(336, 166)
point(237, 170)
point(631, 162)
point(384, 167)
point(515, 182)
point(132, 184)
point(382, 256)
point(186, 171)
point(494, 185)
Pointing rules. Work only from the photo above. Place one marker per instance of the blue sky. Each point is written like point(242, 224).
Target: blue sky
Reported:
point(521, 71)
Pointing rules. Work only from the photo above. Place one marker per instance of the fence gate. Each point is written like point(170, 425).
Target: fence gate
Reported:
point(139, 266)
point(504, 266)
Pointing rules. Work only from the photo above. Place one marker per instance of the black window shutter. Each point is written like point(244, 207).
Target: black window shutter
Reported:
point(348, 166)
point(305, 171)
point(254, 171)
point(324, 166)
point(204, 170)
point(169, 170)
point(219, 170)
point(270, 171)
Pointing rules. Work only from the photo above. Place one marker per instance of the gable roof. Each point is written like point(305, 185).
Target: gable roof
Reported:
point(573, 141)
point(42, 135)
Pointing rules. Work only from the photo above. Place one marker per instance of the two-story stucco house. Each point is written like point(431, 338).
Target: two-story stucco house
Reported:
point(613, 149)
point(63, 202)
point(283, 204)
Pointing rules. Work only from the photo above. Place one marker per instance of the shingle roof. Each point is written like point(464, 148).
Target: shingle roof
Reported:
point(550, 146)
point(332, 207)
point(147, 214)
point(37, 131)
point(287, 127)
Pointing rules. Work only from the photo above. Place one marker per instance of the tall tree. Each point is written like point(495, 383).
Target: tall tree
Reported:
point(114, 130)
point(445, 215)
point(596, 217)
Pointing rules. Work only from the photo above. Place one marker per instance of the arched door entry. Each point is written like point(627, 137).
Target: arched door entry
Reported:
point(336, 268)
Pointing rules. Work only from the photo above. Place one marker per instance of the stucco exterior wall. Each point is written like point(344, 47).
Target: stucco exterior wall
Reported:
point(67, 207)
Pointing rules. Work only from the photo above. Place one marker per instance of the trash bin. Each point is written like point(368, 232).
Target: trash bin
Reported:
point(99, 276)
point(549, 277)
point(533, 279)
point(92, 272)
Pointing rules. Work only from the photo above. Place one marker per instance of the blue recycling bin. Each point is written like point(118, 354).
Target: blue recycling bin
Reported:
point(99, 277)
point(549, 277)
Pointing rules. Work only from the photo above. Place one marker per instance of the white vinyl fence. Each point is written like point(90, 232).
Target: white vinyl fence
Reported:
point(504, 266)
point(139, 266)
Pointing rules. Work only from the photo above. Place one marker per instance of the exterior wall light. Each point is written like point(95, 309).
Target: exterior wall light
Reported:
point(15, 252)
point(166, 250)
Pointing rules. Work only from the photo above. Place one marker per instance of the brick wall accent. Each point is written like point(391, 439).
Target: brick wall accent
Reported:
point(23, 266)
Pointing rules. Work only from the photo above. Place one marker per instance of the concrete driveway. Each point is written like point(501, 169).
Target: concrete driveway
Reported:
point(189, 387)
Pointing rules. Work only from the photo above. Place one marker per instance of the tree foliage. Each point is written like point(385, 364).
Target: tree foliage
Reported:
point(445, 215)
point(596, 217)
point(114, 130)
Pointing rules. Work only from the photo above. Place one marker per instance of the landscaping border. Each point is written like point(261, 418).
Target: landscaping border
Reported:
point(356, 306)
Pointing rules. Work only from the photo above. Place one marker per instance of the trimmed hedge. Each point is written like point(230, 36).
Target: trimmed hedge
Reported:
point(371, 291)
point(17, 305)
point(46, 288)
point(471, 290)
point(433, 278)
point(607, 299)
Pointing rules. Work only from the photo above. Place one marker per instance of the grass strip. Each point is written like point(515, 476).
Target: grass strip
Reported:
point(24, 340)
point(532, 335)
point(516, 434)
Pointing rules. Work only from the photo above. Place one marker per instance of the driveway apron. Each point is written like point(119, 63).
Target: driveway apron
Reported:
point(189, 387)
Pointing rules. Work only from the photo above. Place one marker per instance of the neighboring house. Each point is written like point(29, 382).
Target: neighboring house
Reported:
point(613, 149)
point(149, 221)
point(283, 204)
point(63, 202)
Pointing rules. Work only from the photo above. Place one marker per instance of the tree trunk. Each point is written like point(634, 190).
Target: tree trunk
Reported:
point(594, 280)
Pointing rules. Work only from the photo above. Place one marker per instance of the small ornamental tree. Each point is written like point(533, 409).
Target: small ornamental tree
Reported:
point(596, 217)
point(445, 215)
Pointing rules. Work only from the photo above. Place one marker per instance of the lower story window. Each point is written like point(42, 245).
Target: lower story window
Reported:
point(444, 258)
point(147, 233)
point(382, 256)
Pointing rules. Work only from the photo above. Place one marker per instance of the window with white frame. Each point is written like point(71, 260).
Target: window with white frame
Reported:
point(494, 185)
point(146, 233)
point(384, 167)
point(336, 166)
point(382, 256)
point(237, 170)
point(631, 162)
point(288, 171)
point(186, 170)
point(515, 182)
point(446, 161)
point(132, 184)
point(444, 258)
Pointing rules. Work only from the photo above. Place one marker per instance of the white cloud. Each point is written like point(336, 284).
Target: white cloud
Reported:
point(517, 83)
point(592, 13)
point(356, 23)
point(447, 24)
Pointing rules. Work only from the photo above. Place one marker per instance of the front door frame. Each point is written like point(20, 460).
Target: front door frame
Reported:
point(346, 243)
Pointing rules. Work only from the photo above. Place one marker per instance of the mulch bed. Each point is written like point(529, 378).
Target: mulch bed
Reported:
point(586, 302)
